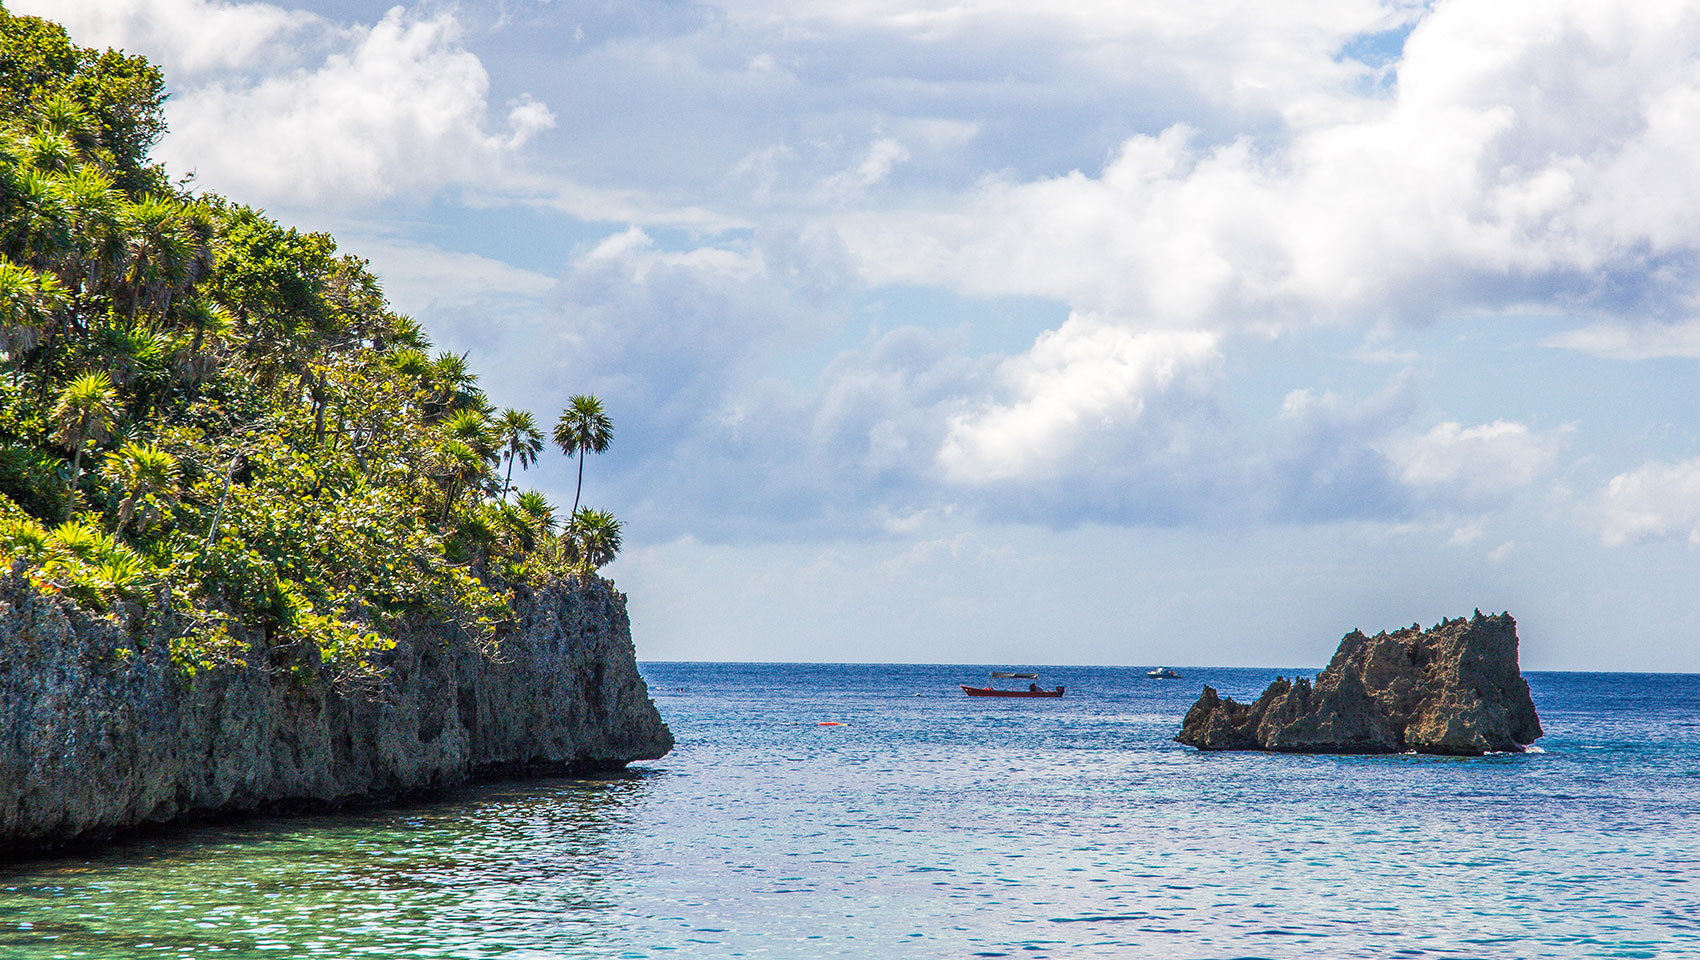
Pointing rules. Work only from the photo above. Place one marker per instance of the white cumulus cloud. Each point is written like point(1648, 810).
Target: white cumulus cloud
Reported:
point(1085, 381)
point(1473, 464)
point(1653, 502)
point(1527, 153)
point(283, 107)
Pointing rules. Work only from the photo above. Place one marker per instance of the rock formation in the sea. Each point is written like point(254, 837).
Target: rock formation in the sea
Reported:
point(94, 738)
point(1455, 689)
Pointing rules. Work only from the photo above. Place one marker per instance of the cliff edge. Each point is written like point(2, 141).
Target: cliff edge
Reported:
point(1455, 689)
point(94, 738)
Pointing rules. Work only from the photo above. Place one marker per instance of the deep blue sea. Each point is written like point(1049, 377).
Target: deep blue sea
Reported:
point(932, 825)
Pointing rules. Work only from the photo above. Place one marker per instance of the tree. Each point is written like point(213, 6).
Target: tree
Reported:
point(148, 476)
point(461, 466)
point(85, 414)
point(517, 433)
point(159, 253)
point(97, 212)
point(27, 304)
point(122, 96)
point(584, 428)
point(453, 386)
point(592, 540)
point(537, 510)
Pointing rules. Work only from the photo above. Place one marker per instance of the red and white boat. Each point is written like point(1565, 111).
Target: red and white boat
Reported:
point(1033, 689)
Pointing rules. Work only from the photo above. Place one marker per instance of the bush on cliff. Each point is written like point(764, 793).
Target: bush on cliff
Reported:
point(216, 422)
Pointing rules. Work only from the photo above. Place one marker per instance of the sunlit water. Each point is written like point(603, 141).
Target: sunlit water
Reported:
point(931, 825)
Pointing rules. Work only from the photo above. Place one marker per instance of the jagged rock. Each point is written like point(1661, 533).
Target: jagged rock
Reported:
point(94, 738)
point(1454, 690)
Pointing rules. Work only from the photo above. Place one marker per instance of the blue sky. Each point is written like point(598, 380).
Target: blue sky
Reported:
point(974, 331)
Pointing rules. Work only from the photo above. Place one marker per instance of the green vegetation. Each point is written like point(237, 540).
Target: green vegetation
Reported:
point(583, 429)
point(215, 424)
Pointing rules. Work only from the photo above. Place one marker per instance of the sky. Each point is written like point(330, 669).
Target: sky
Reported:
point(986, 331)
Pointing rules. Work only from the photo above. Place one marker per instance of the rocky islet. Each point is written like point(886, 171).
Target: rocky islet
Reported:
point(1455, 689)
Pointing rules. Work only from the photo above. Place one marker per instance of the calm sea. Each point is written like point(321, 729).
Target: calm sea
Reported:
point(931, 825)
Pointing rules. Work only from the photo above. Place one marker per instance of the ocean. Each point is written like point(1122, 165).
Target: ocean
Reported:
point(932, 825)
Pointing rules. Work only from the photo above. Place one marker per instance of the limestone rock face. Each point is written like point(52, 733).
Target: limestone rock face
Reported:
point(93, 739)
point(1454, 690)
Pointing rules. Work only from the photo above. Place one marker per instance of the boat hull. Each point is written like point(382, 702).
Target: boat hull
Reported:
point(992, 692)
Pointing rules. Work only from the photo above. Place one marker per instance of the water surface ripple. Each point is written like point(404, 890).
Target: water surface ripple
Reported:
point(930, 825)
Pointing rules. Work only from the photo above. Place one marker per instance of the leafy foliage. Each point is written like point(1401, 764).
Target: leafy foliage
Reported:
point(219, 421)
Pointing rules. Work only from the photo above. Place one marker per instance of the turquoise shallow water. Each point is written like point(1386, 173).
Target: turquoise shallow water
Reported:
point(930, 825)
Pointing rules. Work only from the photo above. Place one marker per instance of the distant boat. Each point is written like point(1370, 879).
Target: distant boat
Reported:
point(1033, 689)
point(1163, 673)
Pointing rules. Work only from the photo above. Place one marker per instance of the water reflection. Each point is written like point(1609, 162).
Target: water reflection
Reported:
point(484, 871)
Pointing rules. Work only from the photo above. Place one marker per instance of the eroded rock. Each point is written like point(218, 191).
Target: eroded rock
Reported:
point(94, 738)
point(1455, 689)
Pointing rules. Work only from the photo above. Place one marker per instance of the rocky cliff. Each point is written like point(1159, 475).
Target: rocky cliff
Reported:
point(1455, 689)
point(94, 738)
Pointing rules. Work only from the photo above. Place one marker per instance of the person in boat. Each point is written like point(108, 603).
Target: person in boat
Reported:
point(1033, 688)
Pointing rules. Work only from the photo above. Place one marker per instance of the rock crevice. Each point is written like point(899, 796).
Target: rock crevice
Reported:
point(1455, 689)
point(93, 740)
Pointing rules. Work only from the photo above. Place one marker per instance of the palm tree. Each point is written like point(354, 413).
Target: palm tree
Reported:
point(517, 433)
point(471, 428)
point(461, 467)
point(62, 115)
point(193, 362)
point(159, 253)
point(37, 219)
point(405, 332)
point(537, 509)
point(96, 210)
point(51, 152)
point(453, 385)
point(85, 414)
point(582, 430)
point(592, 539)
point(149, 478)
point(27, 303)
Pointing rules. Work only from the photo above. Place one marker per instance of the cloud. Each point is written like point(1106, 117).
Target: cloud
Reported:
point(1514, 162)
point(281, 107)
point(873, 167)
point(725, 435)
point(1238, 52)
point(400, 109)
point(1480, 464)
point(1079, 385)
point(1656, 501)
point(419, 277)
point(1632, 341)
point(190, 37)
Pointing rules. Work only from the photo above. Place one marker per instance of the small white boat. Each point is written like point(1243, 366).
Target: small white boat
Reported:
point(1163, 673)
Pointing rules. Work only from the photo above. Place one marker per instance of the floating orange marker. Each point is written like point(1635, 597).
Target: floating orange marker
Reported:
point(829, 723)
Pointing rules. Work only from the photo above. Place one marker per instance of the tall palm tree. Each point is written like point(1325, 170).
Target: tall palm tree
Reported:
point(460, 466)
point(85, 414)
point(592, 539)
point(584, 428)
point(149, 478)
point(517, 433)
